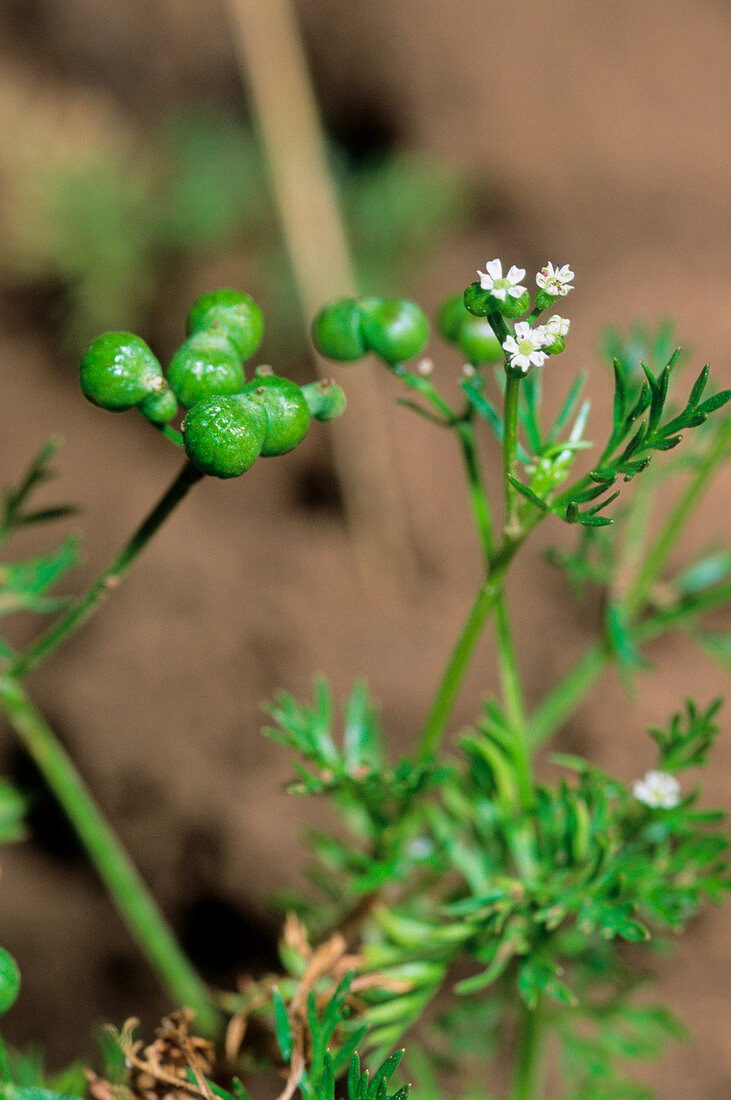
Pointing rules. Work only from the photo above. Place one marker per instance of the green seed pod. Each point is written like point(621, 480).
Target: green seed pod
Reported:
point(478, 301)
point(477, 340)
point(288, 416)
point(394, 328)
point(206, 365)
point(336, 331)
point(118, 370)
point(544, 300)
point(159, 407)
point(450, 316)
point(9, 980)
point(224, 434)
point(325, 399)
point(514, 307)
point(229, 313)
point(558, 345)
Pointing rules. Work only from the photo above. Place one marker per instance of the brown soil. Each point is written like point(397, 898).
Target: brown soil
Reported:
point(602, 130)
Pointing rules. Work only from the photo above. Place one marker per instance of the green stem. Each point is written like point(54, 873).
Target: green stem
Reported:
point(127, 890)
point(87, 604)
point(510, 453)
point(507, 661)
point(171, 433)
point(449, 685)
point(566, 696)
point(528, 1079)
point(658, 553)
point(476, 488)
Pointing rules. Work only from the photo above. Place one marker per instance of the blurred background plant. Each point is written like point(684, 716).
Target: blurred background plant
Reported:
point(101, 214)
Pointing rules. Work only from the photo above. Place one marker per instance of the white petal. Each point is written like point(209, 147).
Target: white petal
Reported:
point(485, 281)
point(499, 293)
point(510, 345)
point(515, 274)
point(495, 269)
point(537, 358)
point(522, 330)
point(516, 291)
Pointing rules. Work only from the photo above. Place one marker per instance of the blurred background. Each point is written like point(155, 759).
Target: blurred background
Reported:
point(134, 175)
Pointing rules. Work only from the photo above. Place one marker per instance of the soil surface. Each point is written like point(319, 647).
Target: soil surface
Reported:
point(600, 131)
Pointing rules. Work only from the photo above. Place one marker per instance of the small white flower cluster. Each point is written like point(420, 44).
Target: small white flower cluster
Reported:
point(659, 790)
point(555, 280)
point(527, 346)
point(492, 279)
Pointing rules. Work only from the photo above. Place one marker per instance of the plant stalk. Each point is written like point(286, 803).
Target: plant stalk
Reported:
point(126, 888)
point(510, 453)
point(459, 660)
point(88, 603)
point(528, 1080)
point(510, 683)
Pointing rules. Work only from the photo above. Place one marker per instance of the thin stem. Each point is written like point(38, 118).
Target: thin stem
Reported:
point(459, 660)
point(528, 1080)
point(119, 875)
point(510, 453)
point(658, 553)
point(274, 66)
point(171, 433)
point(566, 696)
point(507, 660)
point(510, 684)
point(87, 604)
point(476, 488)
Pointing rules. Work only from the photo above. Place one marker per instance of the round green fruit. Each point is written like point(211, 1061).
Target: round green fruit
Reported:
point(325, 399)
point(118, 370)
point(452, 313)
point(223, 435)
point(206, 365)
point(514, 307)
point(229, 313)
point(477, 340)
point(9, 980)
point(336, 331)
point(479, 302)
point(287, 414)
point(394, 328)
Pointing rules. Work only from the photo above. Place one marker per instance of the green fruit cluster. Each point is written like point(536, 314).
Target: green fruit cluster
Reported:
point(471, 334)
point(229, 422)
point(396, 329)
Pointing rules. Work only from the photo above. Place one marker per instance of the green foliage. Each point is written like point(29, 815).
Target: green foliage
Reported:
point(23, 1076)
point(24, 585)
point(13, 808)
point(109, 224)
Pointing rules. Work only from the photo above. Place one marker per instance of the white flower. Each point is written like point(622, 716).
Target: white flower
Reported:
point(524, 348)
point(555, 280)
point(500, 286)
point(557, 326)
point(657, 790)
